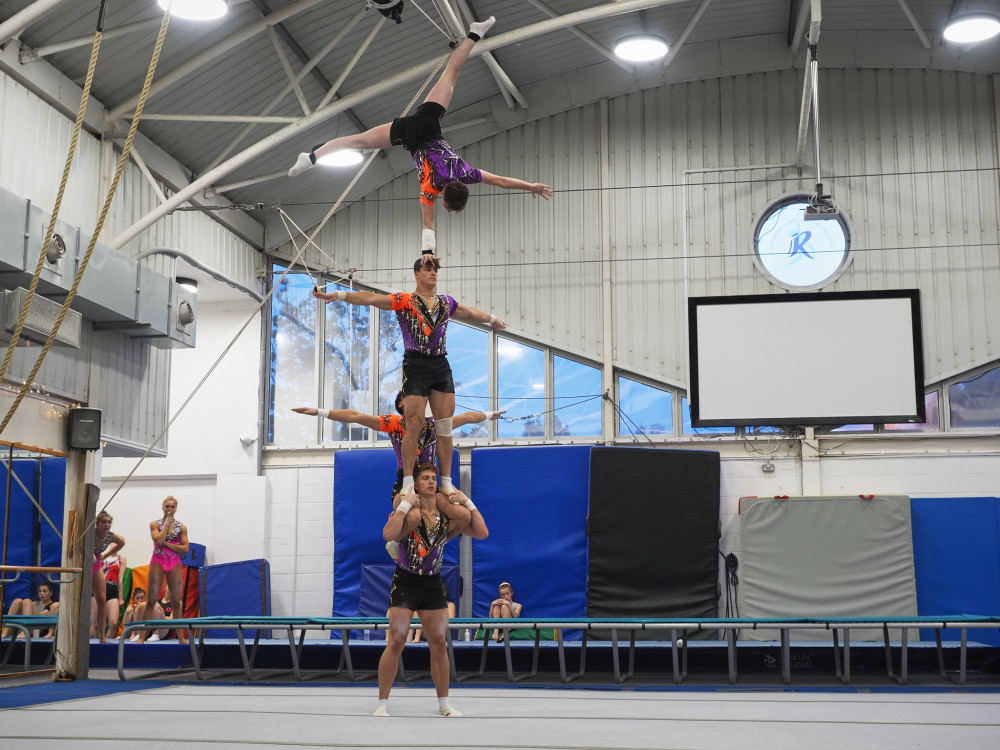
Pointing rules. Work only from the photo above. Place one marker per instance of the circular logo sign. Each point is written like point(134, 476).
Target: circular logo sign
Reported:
point(797, 249)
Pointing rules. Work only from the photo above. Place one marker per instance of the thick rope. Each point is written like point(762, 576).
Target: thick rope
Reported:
point(254, 312)
point(58, 205)
point(100, 224)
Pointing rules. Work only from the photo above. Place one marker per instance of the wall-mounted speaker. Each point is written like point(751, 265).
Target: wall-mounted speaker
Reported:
point(84, 429)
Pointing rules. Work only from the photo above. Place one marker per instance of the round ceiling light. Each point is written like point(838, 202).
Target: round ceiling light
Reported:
point(968, 29)
point(344, 158)
point(195, 10)
point(641, 48)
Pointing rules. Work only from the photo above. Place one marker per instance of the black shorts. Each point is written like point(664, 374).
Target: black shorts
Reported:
point(422, 374)
point(413, 131)
point(416, 592)
point(110, 591)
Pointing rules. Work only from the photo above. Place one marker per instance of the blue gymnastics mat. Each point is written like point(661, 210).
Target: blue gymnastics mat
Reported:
point(956, 558)
point(535, 502)
point(22, 536)
point(236, 588)
point(362, 489)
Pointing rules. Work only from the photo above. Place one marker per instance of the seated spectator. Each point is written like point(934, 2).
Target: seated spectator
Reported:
point(45, 605)
point(504, 606)
point(137, 610)
point(415, 635)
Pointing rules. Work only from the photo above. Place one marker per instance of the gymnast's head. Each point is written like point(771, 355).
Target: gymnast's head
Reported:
point(455, 196)
point(426, 262)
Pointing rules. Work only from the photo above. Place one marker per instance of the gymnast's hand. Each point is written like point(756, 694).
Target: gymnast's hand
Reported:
point(309, 411)
point(538, 190)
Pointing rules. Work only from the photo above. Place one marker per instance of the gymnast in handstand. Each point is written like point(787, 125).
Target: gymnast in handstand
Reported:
point(440, 169)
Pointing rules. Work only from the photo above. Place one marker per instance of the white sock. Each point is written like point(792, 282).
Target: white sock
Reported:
point(428, 240)
point(393, 549)
point(445, 709)
point(304, 162)
point(407, 487)
point(382, 709)
point(480, 28)
point(446, 486)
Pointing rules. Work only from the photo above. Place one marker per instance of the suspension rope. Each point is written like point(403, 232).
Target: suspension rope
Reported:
point(100, 223)
point(74, 141)
point(254, 313)
point(446, 34)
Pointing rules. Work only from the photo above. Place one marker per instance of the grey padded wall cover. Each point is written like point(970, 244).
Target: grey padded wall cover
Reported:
point(826, 557)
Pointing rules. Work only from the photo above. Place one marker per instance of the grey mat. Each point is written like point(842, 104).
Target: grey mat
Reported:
point(194, 716)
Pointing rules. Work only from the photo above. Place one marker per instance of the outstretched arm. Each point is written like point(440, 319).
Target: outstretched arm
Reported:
point(537, 189)
point(470, 313)
point(381, 301)
point(475, 417)
point(340, 415)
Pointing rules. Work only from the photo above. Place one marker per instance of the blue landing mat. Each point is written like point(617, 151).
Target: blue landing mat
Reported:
point(21, 696)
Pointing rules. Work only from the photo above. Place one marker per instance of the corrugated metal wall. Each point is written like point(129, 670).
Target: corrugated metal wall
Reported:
point(910, 155)
point(130, 377)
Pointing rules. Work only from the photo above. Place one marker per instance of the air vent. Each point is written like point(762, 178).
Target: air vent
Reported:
point(40, 321)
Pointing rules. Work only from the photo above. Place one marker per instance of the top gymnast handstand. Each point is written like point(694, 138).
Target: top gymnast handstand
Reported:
point(440, 169)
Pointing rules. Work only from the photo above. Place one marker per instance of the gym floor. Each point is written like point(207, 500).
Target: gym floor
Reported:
point(103, 712)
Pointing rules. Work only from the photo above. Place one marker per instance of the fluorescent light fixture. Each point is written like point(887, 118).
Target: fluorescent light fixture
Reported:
point(190, 284)
point(195, 10)
point(641, 48)
point(972, 28)
point(973, 21)
point(346, 158)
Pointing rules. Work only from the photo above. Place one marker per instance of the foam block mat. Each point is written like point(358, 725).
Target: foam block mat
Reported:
point(535, 501)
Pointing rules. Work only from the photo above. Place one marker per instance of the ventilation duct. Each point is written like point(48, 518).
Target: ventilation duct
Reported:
point(40, 321)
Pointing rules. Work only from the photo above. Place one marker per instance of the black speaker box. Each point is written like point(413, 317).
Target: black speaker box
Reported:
point(84, 429)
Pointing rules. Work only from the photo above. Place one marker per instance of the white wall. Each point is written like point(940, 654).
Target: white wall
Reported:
point(221, 498)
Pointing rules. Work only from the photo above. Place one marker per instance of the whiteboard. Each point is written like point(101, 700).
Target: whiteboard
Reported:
point(806, 359)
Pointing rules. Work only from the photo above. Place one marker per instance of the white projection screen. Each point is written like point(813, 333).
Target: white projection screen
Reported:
point(806, 359)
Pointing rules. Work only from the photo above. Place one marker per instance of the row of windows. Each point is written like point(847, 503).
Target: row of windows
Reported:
point(547, 394)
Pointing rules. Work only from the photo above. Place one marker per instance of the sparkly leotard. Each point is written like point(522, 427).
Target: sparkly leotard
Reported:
point(395, 427)
point(165, 557)
point(422, 552)
point(423, 329)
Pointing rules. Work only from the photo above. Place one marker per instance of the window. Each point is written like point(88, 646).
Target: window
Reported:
point(521, 389)
point(688, 429)
point(346, 364)
point(469, 356)
point(932, 419)
point(390, 364)
point(572, 383)
point(975, 402)
point(643, 408)
point(293, 360)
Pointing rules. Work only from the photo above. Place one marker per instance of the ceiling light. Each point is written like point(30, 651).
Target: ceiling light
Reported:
point(973, 21)
point(195, 10)
point(190, 284)
point(345, 158)
point(641, 48)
